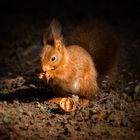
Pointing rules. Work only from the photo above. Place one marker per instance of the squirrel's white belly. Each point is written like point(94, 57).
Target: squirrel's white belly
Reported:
point(75, 86)
point(71, 86)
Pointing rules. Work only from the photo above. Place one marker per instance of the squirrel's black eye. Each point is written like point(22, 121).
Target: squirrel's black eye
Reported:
point(53, 58)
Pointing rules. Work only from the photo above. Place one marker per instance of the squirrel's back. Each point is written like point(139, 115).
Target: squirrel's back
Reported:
point(85, 76)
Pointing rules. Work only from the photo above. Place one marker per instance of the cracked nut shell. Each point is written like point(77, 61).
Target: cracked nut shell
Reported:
point(67, 105)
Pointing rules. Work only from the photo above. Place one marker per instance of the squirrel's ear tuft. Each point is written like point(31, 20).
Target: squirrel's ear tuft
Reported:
point(52, 33)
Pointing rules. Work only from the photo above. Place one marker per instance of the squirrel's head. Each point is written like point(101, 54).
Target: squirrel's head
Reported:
point(53, 51)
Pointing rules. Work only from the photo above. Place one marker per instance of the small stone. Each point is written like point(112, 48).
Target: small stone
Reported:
point(32, 86)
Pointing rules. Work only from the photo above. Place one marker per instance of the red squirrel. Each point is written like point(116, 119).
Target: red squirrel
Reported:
point(73, 68)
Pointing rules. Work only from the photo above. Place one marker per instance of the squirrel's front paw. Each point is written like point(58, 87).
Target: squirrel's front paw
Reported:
point(49, 75)
point(41, 75)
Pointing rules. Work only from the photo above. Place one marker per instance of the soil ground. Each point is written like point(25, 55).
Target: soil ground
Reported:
point(24, 110)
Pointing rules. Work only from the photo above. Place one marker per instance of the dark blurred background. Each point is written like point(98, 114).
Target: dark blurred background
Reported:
point(21, 23)
point(71, 8)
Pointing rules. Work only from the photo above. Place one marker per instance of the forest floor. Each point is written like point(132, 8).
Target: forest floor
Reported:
point(24, 109)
